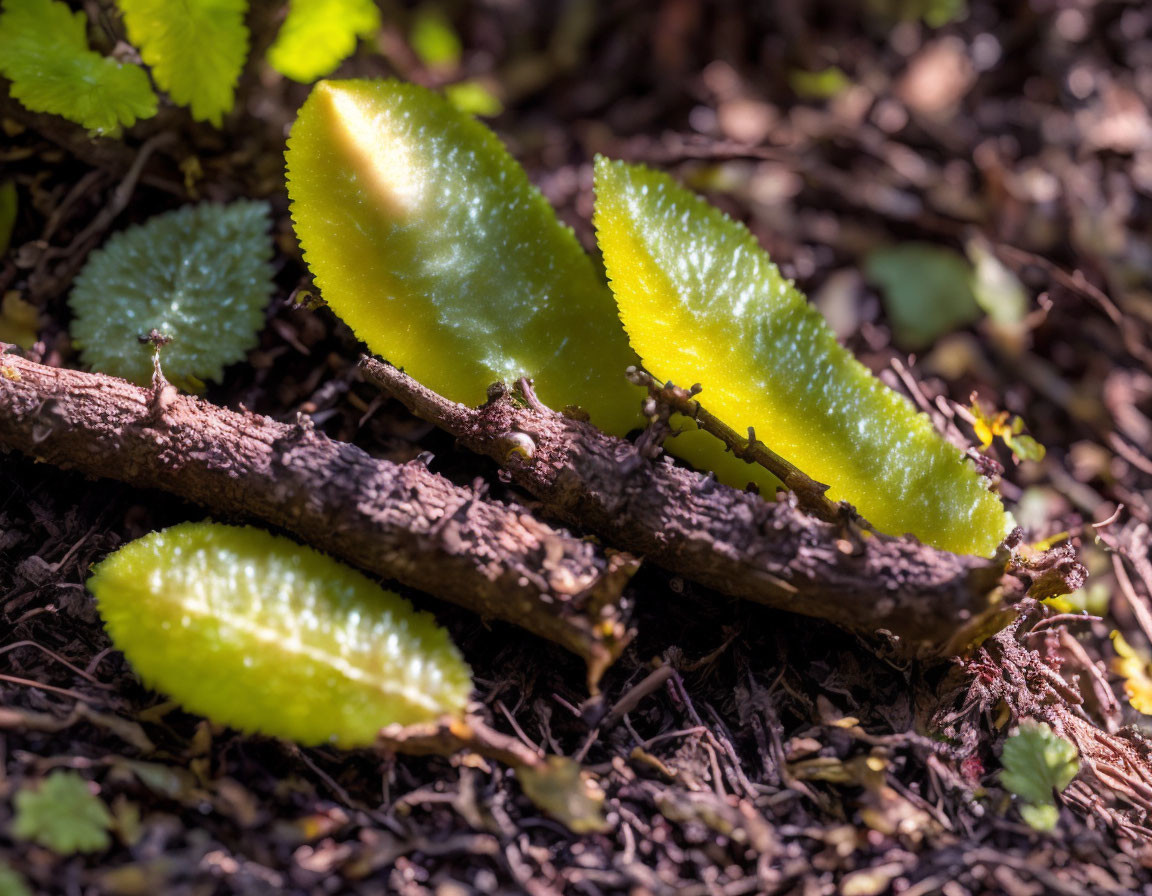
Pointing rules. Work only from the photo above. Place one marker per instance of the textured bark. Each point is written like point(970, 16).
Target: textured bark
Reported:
point(933, 602)
point(399, 521)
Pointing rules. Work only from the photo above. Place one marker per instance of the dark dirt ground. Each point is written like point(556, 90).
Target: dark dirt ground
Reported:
point(1027, 123)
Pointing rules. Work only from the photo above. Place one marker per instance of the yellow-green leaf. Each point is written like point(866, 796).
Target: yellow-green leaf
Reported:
point(428, 239)
point(255, 631)
point(702, 302)
point(44, 52)
point(564, 790)
point(820, 85)
point(474, 97)
point(434, 39)
point(196, 49)
point(19, 320)
point(318, 35)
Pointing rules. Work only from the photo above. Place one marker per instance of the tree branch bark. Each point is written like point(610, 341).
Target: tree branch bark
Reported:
point(932, 602)
point(399, 521)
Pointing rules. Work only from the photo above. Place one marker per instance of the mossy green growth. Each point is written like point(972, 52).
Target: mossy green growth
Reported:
point(429, 240)
point(254, 631)
point(702, 302)
point(200, 275)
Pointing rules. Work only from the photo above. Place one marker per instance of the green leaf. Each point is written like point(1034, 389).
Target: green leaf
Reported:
point(996, 289)
point(820, 85)
point(255, 631)
point(934, 13)
point(1037, 762)
point(473, 97)
point(62, 814)
point(8, 201)
point(433, 38)
point(1041, 818)
point(44, 52)
point(427, 238)
point(702, 302)
point(12, 882)
point(318, 35)
point(196, 49)
point(200, 275)
point(927, 291)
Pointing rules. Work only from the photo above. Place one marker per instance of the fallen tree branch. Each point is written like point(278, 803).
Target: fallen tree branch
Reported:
point(397, 520)
point(933, 602)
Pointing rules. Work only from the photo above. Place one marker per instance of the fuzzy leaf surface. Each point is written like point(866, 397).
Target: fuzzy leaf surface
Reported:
point(428, 239)
point(254, 631)
point(200, 275)
point(702, 302)
point(195, 48)
point(318, 35)
point(44, 52)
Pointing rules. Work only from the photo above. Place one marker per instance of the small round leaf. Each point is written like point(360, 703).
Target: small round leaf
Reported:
point(200, 275)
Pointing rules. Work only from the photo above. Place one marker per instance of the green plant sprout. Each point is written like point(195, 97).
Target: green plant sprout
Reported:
point(257, 632)
point(200, 276)
point(44, 52)
point(702, 302)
